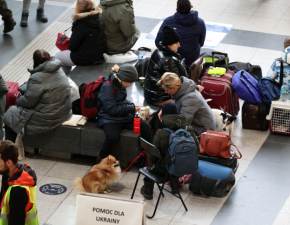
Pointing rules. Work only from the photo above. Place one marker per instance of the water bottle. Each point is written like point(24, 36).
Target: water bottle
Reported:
point(137, 124)
point(284, 93)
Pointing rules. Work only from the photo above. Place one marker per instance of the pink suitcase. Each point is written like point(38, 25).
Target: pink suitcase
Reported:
point(219, 89)
point(12, 94)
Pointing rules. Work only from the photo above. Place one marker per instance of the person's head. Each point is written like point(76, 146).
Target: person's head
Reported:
point(40, 56)
point(170, 38)
point(286, 42)
point(167, 109)
point(170, 83)
point(85, 6)
point(183, 6)
point(126, 75)
point(9, 155)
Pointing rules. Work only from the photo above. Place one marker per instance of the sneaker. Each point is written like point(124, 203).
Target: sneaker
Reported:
point(145, 193)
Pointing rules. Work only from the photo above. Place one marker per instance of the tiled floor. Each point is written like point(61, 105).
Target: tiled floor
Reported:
point(259, 27)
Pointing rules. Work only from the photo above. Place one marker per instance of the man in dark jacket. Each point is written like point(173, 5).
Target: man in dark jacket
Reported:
point(163, 59)
point(18, 189)
point(120, 29)
point(7, 17)
point(190, 28)
point(169, 118)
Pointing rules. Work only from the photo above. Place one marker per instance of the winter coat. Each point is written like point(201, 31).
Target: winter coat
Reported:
point(162, 60)
point(87, 41)
point(191, 30)
point(114, 107)
point(193, 106)
point(120, 29)
point(46, 103)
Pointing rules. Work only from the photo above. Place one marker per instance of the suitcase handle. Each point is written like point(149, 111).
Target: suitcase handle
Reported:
point(220, 53)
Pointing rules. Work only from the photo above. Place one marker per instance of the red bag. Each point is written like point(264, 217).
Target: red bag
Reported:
point(88, 97)
point(62, 41)
point(218, 144)
point(12, 94)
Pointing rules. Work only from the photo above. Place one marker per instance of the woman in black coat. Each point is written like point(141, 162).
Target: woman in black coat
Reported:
point(116, 112)
point(87, 41)
point(164, 59)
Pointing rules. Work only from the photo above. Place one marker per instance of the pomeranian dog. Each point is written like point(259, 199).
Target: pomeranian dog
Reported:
point(100, 176)
point(224, 121)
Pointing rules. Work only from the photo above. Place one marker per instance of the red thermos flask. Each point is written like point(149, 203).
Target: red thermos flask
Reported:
point(137, 124)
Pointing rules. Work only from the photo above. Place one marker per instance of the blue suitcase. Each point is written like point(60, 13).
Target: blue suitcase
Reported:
point(212, 180)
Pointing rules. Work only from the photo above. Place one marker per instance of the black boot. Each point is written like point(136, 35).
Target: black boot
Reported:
point(8, 25)
point(24, 19)
point(40, 16)
point(147, 189)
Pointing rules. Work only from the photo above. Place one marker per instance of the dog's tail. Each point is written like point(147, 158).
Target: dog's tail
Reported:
point(78, 184)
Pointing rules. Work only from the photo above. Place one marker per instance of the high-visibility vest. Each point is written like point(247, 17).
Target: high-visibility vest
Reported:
point(31, 211)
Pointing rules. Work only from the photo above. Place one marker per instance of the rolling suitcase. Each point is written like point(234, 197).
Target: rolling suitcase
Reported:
point(219, 90)
point(212, 180)
point(12, 94)
point(254, 116)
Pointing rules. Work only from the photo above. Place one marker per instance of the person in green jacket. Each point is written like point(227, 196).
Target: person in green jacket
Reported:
point(120, 29)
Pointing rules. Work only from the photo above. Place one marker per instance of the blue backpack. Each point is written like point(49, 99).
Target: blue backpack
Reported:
point(246, 87)
point(183, 151)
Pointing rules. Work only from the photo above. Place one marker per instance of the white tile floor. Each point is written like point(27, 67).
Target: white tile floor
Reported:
point(271, 16)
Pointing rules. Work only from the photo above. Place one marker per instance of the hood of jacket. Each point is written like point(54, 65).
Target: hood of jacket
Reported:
point(90, 20)
point(50, 66)
point(187, 86)
point(108, 3)
point(23, 176)
point(174, 121)
point(167, 52)
point(186, 19)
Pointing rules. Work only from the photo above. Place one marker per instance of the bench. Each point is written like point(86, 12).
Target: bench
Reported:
point(88, 139)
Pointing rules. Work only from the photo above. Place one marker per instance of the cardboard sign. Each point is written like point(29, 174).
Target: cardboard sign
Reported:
point(103, 210)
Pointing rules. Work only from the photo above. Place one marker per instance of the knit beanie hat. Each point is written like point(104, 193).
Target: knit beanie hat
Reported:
point(169, 36)
point(169, 108)
point(127, 73)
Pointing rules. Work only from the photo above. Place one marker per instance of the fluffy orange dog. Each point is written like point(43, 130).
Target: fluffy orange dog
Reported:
point(100, 176)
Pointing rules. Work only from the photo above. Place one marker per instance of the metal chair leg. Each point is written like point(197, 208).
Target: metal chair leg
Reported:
point(160, 189)
point(137, 180)
point(181, 199)
point(156, 205)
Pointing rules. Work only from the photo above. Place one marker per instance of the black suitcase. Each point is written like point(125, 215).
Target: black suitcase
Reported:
point(231, 163)
point(254, 116)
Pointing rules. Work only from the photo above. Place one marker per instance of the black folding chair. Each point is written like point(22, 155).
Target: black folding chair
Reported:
point(160, 181)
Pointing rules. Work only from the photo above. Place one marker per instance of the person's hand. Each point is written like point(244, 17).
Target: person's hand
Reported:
point(200, 88)
point(137, 108)
point(116, 68)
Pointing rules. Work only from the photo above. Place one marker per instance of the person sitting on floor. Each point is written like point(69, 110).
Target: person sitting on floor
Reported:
point(169, 118)
point(87, 41)
point(190, 28)
point(119, 22)
point(189, 101)
point(163, 59)
point(46, 103)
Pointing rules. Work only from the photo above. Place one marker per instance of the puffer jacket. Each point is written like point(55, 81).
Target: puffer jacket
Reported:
point(87, 41)
point(114, 108)
point(162, 60)
point(193, 106)
point(120, 29)
point(46, 103)
point(191, 30)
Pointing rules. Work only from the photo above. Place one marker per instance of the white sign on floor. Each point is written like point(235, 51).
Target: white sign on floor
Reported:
point(103, 210)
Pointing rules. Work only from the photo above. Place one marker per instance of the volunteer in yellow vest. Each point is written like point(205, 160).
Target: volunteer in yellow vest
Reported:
point(18, 191)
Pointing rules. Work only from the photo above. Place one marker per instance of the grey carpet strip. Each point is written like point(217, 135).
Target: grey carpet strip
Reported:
point(260, 193)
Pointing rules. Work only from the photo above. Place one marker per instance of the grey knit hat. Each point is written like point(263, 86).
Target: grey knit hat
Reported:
point(128, 73)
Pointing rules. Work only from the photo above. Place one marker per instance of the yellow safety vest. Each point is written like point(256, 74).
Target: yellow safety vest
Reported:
point(31, 214)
